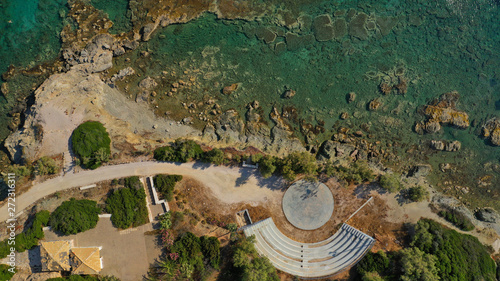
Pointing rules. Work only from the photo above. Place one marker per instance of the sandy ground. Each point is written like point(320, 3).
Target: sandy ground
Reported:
point(228, 185)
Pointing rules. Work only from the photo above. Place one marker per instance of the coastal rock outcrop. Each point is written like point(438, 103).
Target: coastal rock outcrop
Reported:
point(332, 150)
point(491, 131)
point(487, 215)
point(446, 145)
point(442, 111)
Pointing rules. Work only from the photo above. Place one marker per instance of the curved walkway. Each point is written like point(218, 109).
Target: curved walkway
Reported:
point(310, 260)
point(230, 185)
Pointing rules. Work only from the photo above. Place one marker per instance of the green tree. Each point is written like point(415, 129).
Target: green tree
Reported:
point(390, 182)
point(260, 269)
point(75, 216)
point(459, 256)
point(133, 182)
point(165, 153)
point(374, 262)
point(210, 247)
point(266, 166)
point(417, 265)
point(91, 143)
point(187, 150)
point(418, 193)
point(127, 207)
point(215, 156)
point(165, 184)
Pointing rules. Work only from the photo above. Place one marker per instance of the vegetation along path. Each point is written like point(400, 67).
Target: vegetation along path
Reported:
point(230, 185)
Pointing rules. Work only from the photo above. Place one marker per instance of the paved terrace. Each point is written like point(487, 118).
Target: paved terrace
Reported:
point(310, 260)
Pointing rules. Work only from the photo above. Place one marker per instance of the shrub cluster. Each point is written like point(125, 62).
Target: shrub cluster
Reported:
point(356, 173)
point(248, 265)
point(435, 253)
point(46, 166)
point(165, 185)
point(75, 216)
point(5, 274)
point(91, 143)
point(457, 219)
point(390, 182)
point(189, 258)
point(288, 167)
point(418, 193)
point(85, 278)
point(181, 151)
point(29, 238)
point(128, 206)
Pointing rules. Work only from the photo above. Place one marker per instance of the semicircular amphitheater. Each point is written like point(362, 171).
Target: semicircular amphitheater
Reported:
point(309, 260)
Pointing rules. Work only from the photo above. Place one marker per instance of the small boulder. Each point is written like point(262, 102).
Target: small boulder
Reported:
point(374, 105)
point(288, 94)
point(357, 26)
point(323, 28)
point(437, 145)
point(420, 170)
point(230, 89)
point(148, 83)
point(4, 89)
point(351, 97)
point(453, 146)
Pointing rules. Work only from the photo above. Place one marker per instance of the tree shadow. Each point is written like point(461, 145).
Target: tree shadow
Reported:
point(201, 165)
point(245, 174)
point(402, 197)
point(272, 183)
point(363, 190)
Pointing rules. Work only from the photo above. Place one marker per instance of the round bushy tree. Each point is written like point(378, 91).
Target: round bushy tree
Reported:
point(75, 216)
point(91, 144)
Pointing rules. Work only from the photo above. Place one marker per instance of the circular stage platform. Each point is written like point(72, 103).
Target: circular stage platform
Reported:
point(308, 205)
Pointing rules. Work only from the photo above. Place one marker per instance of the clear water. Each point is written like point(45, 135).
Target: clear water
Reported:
point(442, 46)
point(118, 13)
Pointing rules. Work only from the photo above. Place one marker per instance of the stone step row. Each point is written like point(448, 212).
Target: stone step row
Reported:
point(335, 254)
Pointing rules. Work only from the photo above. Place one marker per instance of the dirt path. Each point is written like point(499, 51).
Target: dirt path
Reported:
point(230, 185)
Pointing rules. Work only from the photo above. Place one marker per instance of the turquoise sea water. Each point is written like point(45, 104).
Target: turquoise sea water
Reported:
point(441, 46)
point(29, 35)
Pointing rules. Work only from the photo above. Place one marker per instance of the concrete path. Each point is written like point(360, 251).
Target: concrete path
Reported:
point(230, 185)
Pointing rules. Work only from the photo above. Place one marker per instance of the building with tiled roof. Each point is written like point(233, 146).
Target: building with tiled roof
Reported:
point(55, 255)
point(85, 260)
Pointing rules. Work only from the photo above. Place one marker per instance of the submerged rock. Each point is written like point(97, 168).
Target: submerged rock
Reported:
point(230, 89)
point(386, 24)
point(323, 28)
point(357, 26)
point(295, 42)
point(339, 28)
point(265, 35)
point(148, 83)
point(351, 97)
point(374, 104)
point(305, 23)
point(288, 94)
